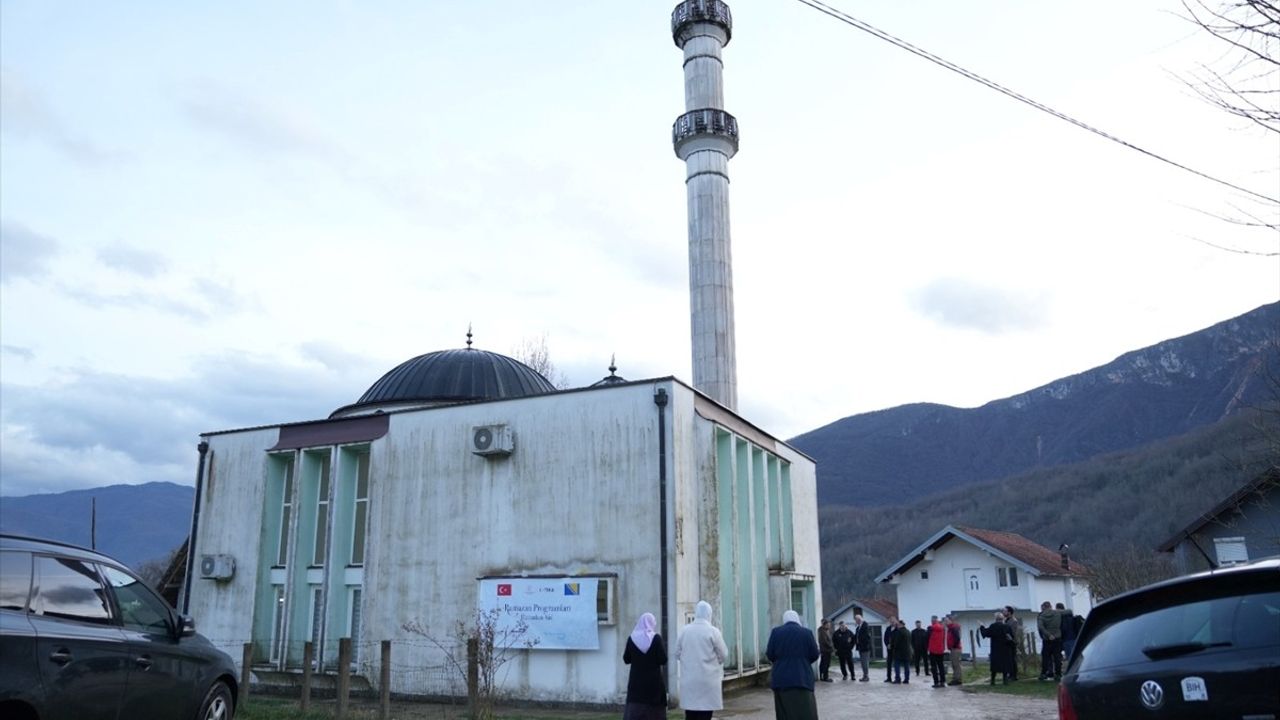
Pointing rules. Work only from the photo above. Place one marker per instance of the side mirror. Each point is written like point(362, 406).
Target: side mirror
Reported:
point(186, 626)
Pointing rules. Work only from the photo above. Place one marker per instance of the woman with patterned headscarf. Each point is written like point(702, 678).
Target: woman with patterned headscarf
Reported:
point(646, 653)
point(700, 653)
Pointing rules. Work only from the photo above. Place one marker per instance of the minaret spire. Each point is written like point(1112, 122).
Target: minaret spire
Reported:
point(705, 137)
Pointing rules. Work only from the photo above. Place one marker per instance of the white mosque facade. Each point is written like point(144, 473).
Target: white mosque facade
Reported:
point(463, 481)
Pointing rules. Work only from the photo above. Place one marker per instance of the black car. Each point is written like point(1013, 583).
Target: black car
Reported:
point(82, 637)
point(1200, 646)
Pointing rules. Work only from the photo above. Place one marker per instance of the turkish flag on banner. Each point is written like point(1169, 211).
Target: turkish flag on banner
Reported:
point(504, 589)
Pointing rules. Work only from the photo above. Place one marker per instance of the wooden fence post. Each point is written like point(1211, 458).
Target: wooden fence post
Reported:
point(385, 681)
point(344, 676)
point(973, 649)
point(308, 657)
point(246, 665)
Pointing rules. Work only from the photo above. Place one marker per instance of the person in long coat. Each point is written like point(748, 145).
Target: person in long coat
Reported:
point(646, 653)
point(1002, 647)
point(792, 651)
point(700, 653)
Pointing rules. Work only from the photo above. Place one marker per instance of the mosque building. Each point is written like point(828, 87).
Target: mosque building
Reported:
point(463, 481)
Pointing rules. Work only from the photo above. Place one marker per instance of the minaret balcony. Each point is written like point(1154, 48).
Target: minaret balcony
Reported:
point(705, 129)
point(691, 12)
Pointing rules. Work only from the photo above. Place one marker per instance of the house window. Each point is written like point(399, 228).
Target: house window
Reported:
point(317, 619)
point(924, 574)
point(1231, 550)
point(1008, 576)
point(277, 624)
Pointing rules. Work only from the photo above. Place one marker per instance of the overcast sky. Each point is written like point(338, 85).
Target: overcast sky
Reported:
point(218, 215)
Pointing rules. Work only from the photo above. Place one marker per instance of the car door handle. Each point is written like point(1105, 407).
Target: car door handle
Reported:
point(143, 661)
point(61, 656)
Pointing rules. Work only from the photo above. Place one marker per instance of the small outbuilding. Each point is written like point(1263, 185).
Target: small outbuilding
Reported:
point(1244, 526)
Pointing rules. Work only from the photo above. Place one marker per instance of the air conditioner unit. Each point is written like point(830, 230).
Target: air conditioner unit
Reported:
point(217, 567)
point(492, 440)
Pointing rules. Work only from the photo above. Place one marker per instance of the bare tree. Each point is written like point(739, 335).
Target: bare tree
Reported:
point(1244, 81)
point(484, 643)
point(533, 351)
point(1127, 568)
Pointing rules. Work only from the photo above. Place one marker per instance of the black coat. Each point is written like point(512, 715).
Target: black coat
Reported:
point(1002, 645)
point(843, 639)
point(863, 638)
point(919, 642)
point(646, 685)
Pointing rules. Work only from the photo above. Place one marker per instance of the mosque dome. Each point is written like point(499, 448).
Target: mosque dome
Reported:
point(450, 376)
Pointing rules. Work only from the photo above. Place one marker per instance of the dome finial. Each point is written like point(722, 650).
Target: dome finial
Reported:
point(613, 364)
point(468, 336)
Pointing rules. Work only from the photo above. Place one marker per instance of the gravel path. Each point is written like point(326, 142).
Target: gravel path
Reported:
point(877, 700)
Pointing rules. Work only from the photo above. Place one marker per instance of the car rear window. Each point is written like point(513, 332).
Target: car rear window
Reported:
point(1199, 626)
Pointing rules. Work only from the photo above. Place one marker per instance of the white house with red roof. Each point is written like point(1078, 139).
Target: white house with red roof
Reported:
point(969, 573)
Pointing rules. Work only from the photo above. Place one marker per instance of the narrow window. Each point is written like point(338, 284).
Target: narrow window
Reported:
point(1003, 576)
point(286, 513)
point(317, 620)
point(361, 510)
point(1013, 577)
point(277, 623)
point(322, 516)
point(353, 625)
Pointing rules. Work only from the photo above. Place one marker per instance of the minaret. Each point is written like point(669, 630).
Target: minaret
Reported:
point(705, 137)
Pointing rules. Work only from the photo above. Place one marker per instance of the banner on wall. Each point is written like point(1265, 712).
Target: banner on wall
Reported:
point(559, 613)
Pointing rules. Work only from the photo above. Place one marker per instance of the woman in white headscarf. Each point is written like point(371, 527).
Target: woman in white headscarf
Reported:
point(646, 653)
point(701, 653)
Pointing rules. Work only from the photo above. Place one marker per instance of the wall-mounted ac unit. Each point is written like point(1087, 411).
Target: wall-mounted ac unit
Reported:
point(217, 567)
point(492, 440)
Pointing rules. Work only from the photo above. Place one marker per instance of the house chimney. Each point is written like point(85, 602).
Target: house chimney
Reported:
point(1066, 561)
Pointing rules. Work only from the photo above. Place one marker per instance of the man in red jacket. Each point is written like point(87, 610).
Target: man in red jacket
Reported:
point(937, 649)
point(953, 647)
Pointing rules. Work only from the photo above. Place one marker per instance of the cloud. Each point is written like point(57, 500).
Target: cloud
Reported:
point(24, 112)
point(23, 252)
point(102, 428)
point(133, 260)
point(136, 299)
point(961, 303)
point(25, 353)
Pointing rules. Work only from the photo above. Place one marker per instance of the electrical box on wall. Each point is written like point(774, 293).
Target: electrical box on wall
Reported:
point(492, 440)
point(217, 567)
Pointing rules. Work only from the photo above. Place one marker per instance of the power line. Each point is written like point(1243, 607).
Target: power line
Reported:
point(899, 42)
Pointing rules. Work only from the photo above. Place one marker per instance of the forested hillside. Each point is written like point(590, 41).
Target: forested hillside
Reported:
point(890, 456)
point(1108, 504)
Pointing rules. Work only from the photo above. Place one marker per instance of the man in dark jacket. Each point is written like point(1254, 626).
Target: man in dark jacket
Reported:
point(792, 651)
point(844, 642)
point(825, 648)
point(862, 643)
point(1070, 628)
point(1049, 625)
point(889, 657)
point(920, 649)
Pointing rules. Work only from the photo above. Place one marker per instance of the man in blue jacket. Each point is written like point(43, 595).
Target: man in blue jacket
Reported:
point(792, 650)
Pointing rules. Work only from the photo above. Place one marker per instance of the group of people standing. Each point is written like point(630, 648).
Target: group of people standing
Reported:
point(700, 653)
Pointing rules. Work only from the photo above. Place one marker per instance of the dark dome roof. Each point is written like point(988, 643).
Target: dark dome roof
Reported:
point(448, 376)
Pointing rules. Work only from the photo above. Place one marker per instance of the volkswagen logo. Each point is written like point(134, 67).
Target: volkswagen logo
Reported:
point(1152, 695)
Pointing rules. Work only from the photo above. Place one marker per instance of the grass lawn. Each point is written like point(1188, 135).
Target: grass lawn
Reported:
point(977, 679)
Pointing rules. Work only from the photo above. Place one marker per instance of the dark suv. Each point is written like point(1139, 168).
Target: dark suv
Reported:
point(1200, 646)
point(82, 637)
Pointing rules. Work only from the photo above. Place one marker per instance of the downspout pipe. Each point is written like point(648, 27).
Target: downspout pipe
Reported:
point(660, 400)
point(203, 447)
